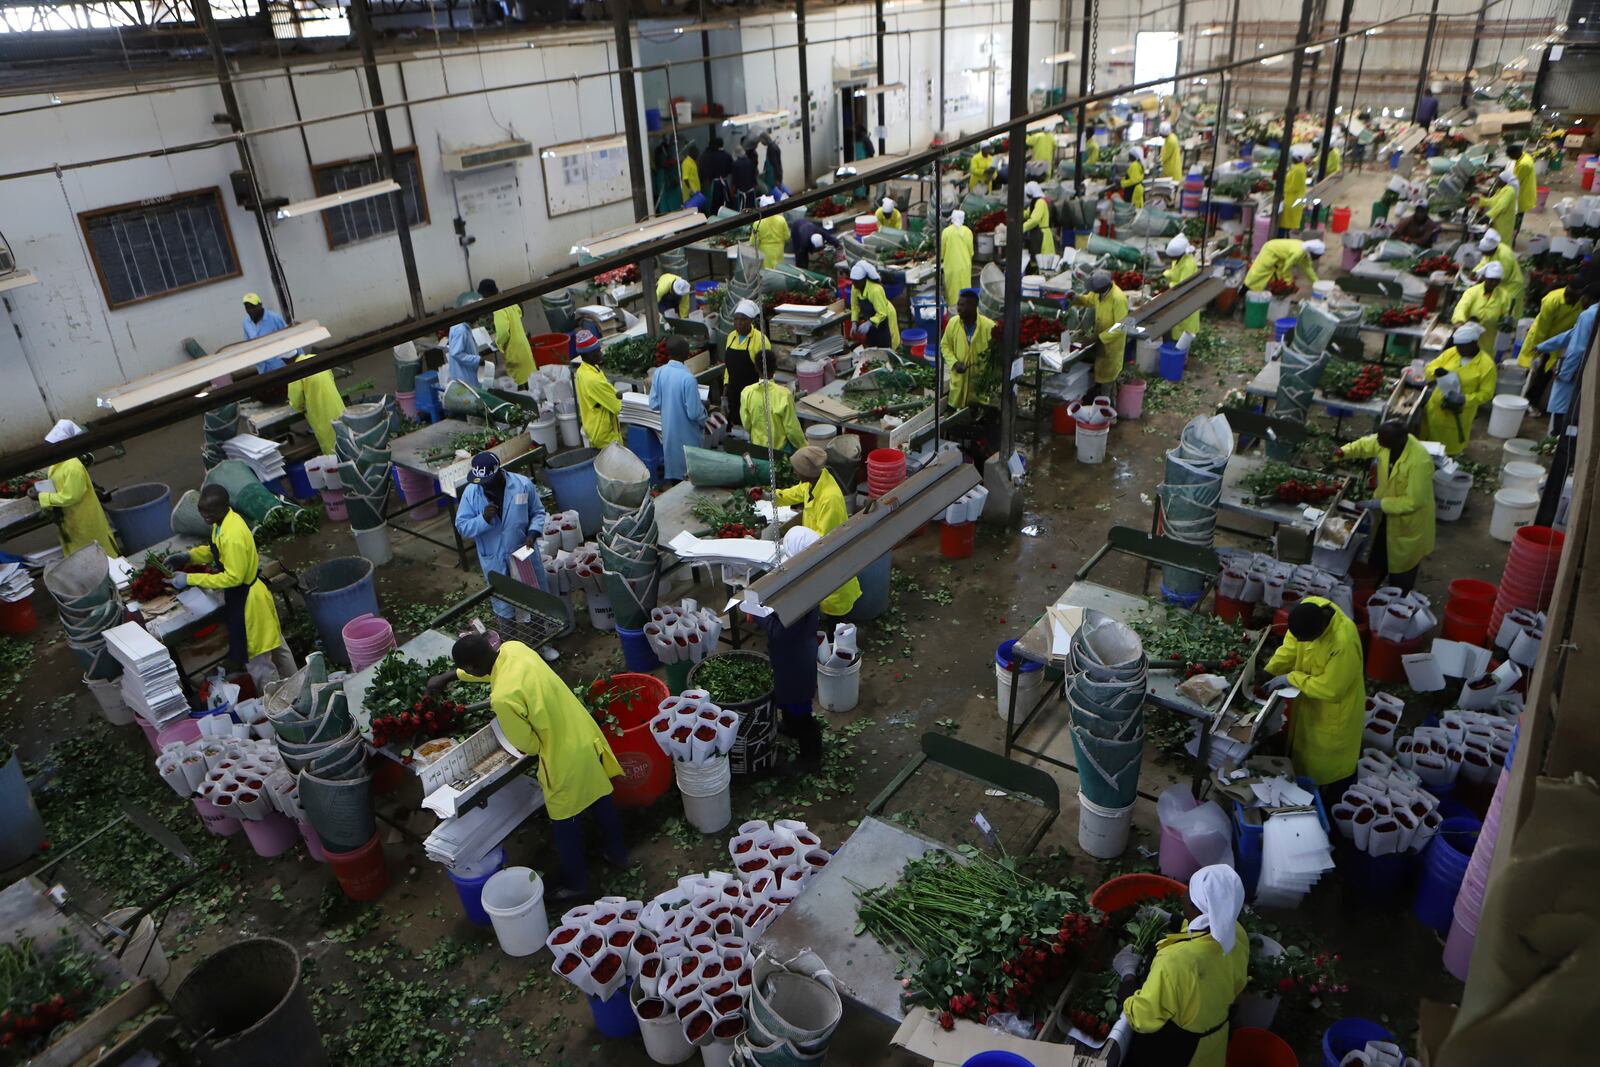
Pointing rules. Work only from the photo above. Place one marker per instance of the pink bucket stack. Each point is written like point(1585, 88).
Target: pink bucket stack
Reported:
point(368, 639)
point(1469, 901)
point(1530, 574)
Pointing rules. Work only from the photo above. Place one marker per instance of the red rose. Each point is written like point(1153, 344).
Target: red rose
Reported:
point(1286, 985)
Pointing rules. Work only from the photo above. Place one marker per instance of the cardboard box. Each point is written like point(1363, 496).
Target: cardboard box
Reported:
point(922, 1035)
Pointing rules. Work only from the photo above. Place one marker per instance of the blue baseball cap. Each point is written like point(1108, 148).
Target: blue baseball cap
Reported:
point(485, 465)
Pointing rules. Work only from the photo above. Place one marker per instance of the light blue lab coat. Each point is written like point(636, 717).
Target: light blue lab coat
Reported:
point(464, 358)
point(520, 515)
point(1574, 345)
point(271, 322)
point(676, 394)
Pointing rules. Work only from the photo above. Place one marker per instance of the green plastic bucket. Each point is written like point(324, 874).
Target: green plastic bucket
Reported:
point(1255, 309)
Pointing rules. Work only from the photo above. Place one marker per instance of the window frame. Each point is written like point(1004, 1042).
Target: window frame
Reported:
point(86, 217)
point(422, 194)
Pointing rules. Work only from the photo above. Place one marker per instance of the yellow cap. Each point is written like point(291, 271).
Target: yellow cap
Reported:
point(251, 298)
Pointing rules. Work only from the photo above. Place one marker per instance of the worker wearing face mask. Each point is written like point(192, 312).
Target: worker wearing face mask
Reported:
point(1500, 210)
point(500, 511)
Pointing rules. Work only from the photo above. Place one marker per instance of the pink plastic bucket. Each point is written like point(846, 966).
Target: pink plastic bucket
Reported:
point(1130, 398)
point(214, 820)
point(422, 501)
point(271, 836)
point(368, 639)
point(333, 504)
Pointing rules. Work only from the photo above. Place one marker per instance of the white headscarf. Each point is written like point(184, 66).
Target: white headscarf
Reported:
point(1467, 331)
point(1218, 894)
point(798, 540)
point(748, 309)
point(1300, 151)
point(816, 240)
point(1494, 270)
point(1033, 190)
point(1166, 128)
point(680, 287)
point(958, 218)
point(1509, 176)
point(62, 431)
point(864, 271)
point(1316, 247)
point(1178, 246)
point(888, 205)
point(1489, 241)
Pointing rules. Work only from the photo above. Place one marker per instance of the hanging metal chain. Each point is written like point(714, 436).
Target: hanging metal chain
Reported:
point(1094, 43)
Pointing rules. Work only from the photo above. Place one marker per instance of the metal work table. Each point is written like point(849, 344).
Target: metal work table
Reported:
point(1265, 384)
point(1237, 499)
point(674, 509)
point(409, 451)
point(426, 646)
point(823, 917)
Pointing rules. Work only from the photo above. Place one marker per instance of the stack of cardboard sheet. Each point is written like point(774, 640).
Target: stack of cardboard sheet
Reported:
point(15, 582)
point(260, 454)
point(150, 683)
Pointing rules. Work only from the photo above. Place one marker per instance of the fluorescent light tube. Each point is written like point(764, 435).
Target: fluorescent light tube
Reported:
point(752, 117)
point(347, 196)
point(604, 244)
point(1061, 57)
point(579, 148)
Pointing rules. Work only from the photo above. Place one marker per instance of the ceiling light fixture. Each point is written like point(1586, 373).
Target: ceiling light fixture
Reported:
point(339, 199)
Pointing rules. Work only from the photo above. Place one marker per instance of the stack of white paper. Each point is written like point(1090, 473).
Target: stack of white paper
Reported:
point(150, 684)
point(38, 561)
point(260, 454)
point(470, 835)
point(15, 582)
point(1295, 854)
point(636, 409)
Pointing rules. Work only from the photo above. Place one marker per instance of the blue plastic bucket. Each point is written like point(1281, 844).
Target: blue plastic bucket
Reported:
point(1444, 865)
point(1226, 211)
point(997, 1058)
point(571, 476)
point(1245, 148)
point(1172, 360)
point(1003, 657)
point(142, 514)
point(1348, 1035)
point(299, 483)
point(874, 600)
point(644, 443)
point(469, 882)
point(429, 407)
point(652, 118)
point(1375, 879)
point(916, 342)
point(1183, 600)
point(615, 1017)
point(21, 829)
point(336, 591)
point(636, 651)
point(1283, 327)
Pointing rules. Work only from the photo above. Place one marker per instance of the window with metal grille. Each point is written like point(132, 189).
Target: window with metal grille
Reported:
point(374, 216)
point(160, 246)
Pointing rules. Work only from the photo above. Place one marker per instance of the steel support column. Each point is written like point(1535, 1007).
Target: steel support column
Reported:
point(1333, 89)
point(638, 171)
point(1085, 62)
point(1011, 325)
point(879, 28)
point(805, 90)
point(1290, 111)
point(1469, 83)
point(705, 56)
point(1427, 54)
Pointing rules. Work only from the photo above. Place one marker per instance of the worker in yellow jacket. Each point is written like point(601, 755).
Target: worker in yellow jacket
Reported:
point(964, 347)
point(672, 295)
point(981, 171)
point(1171, 154)
point(1513, 281)
point(1280, 257)
point(770, 235)
point(1042, 147)
point(1557, 314)
point(822, 510)
point(538, 714)
point(599, 407)
point(316, 396)
point(1110, 306)
point(889, 217)
point(1036, 228)
point(1485, 304)
point(1133, 180)
point(1321, 656)
point(1177, 1016)
point(1335, 157)
point(876, 322)
point(955, 253)
point(689, 171)
point(1293, 211)
point(255, 639)
point(1091, 154)
point(768, 404)
point(1448, 418)
point(510, 336)
point(1183, 267)
point(1500, 210)
point(82, 519)
point(1527, 181)
point(1404, 501)
point(740, 350)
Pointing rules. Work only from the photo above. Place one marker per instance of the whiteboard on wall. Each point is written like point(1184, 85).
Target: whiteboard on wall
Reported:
point(579, 180)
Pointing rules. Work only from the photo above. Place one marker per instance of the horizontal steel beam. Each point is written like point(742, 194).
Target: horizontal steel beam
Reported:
point(805, 580)
point(1168, 309)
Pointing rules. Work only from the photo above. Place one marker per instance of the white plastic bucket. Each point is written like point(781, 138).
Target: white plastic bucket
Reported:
point(1519, 449)
point(707, 801)
point(543, 431)
point(1520, 474)
point(1103, 832)
point(985, 244)
point(1032, 286)
point(109, 696)
point(567, 425)
point(839, 688)
point(820, 433)
point(1450, 492)
point(1148, 356)
point(664, 1039)
point(601, 617)
point(373, 545)
point(1505, 415)
point(1091, 443)
point(514, 899)
point(1512, 508)
point(1027, 684)
point(143, 955)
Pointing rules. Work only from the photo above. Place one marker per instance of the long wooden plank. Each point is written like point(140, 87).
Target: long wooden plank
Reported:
point(196, 374)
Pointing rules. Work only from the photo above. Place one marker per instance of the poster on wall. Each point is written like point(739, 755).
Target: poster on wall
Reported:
point(577, 179)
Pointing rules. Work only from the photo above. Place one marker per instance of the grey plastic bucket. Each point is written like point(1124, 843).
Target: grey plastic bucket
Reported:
point(245, 1008)
point(335, 592)
point(141, 514)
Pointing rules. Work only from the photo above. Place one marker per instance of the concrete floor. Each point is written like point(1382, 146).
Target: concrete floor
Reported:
point(929, 663)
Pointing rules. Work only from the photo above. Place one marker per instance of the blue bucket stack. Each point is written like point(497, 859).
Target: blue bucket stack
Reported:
point(637, 654)
point(469, 881)
point(1444, 865)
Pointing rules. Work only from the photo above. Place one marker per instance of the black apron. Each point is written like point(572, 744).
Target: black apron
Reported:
point(1170, 1046)
point(741, 373)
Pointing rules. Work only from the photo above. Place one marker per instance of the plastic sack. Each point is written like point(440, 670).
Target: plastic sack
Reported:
point(1206, 830)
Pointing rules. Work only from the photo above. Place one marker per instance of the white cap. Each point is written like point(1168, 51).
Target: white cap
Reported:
point(864, 271)
point(1489, 241)
point(816, 240)
point(1166, 128)
point(1134, 153)
point(766, 201)
point(1178, 246)
point(1494, 270)
point(1316, 247)
point(680, 286)
point(748, 309)
point(798, 539)
point(958, 217)
point(1300, 151)
point(888, 204)
point(1033, 189)
point(1467, 331)
point(62, 431)
point(1509, 176)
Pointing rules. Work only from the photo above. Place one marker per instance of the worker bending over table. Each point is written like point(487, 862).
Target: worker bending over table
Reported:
point(1183, 267)
point(822, 510)
point(876, 322)
point(537, 714)
point(316, 397)
point(74, 501)
point(1557, 312)
point(1321, 656)
point(1110, 306)
point(1278, 260)
point(1487, 303)
point(255, 640)
point(1403, 504)
point(672, 295)
point(500, 510)
point(1463, 377)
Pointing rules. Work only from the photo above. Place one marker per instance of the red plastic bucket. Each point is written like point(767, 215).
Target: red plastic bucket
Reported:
point(18, 617)
point(1126, 890)
point(1384, 662)
point(1541, 194)
point(549, 349)
point(1251, 1046)
point(1062, 422)
point(363, 873)
point(387, 775)
point(1463, 590)
point(646, 770)
point(1341, 223)
point(886, 468)
point(1464, 622)
point(1230, 610)
point(956, 539)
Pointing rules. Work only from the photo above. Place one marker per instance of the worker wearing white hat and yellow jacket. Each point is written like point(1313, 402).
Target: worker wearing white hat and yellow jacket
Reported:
point(889, 217)
point(821, 509)
point(1181, 252)
point(1038, 219)
point(1513, 281)
point(1453, 404)
point(1294, 188)
point(1171, 154)
point(1501, 208)
point(770, 235)
point(876, 321)
point(1110, 306)
point(1133, 180)
point(1485, 304)
point(672, 295)
point(82, 519)
point(1279, 258)
point(317, 398)
point(955, 252)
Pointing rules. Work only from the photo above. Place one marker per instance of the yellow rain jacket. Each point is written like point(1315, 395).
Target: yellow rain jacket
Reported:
point(1294, 194)
point(240, 564)
point(882, 310)
point(689, 171)
point(1039, 219)
point(770, 236)
point(753, 406)
point(1454, 428)
point(1181, 271)
point(598, 406)
point(1325, 725)
point(956, 347)
point(1172, 158)
point(1092, 153)
point(664, 290)
point(1555, 316)
point(511, 338)
point(1515, 282)
point(981, 170)
point(540, 716)
point(1110, 308)
point(1406, 490)
point(1042, 146)
point(1502, 211)
point(1279, 258)
point(1335, 162)
point(955, 248)
point(894, 220)
point(82, 518)
point(317, 398)
point(1133, 182)
point(823, 511)
point(1484, 308)
point(1528, 194)
point(1193, 985)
